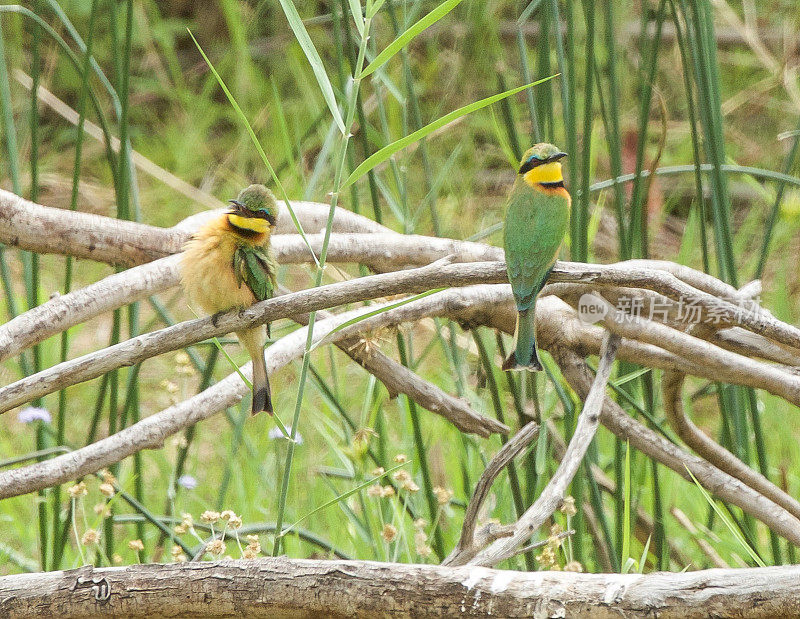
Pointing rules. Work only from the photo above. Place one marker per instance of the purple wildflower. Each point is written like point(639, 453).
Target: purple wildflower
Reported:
point(29, 414)
point(188, 482)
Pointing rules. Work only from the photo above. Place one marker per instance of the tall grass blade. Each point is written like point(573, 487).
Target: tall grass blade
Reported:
point(344, 496)
point(401, 41)
point(390, 149)
point(301, 34)
point(726, 519)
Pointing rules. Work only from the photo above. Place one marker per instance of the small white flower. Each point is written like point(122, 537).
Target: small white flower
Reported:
point(188, 482)
point(29, 414)
point(275, 433)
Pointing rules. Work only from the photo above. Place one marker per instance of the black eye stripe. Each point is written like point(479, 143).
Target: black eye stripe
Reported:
point(531, 163)
point(534, 161)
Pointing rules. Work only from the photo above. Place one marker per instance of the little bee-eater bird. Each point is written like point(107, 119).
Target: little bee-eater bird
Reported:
point(228, 264)
point(537, 218)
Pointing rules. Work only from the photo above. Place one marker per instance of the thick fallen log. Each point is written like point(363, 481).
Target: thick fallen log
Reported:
point(281, 587)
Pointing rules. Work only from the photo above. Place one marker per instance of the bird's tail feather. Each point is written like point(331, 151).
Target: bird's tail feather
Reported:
point(525, 356)
point(253, 340)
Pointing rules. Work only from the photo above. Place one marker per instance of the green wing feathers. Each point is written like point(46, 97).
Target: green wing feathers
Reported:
point(255, 267)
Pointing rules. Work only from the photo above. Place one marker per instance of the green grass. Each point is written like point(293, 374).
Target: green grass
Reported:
point(296, 85)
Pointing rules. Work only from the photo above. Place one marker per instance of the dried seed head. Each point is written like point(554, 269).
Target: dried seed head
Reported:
point(136, 545)
point(106, 489)
point(90, 537)
point(443, 495)
point(169, 386)
point(102, 510)
point(568, 506)
point(389, 532)
point(401, 475)
point(216, 547)
point(573, 566)
point(548, 557)
point(210, 516)
point(78, 490)
point(410, 486)
point(235, 522)
point(424, 550)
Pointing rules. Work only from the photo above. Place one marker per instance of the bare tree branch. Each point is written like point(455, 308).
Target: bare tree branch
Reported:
point(277, 587)
point(719, 483)
point(644, 525)
point(151, 432)
point(381, 252)
point(47, 230)
point(712, 451)
point(553, 494)
point(468, 545)
point(138, 349)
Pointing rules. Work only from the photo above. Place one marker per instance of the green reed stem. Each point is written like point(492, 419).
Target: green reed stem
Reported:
point(58, 545)
point(422, 460)
point(340, 161)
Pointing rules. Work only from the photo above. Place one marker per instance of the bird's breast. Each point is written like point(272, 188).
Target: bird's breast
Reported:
point(207, 270)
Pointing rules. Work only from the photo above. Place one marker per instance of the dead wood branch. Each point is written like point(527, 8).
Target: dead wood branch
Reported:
point(553, 494)
point(190, 332)
point(644, 525)
point(719, 483)
point(151, 432)
point(712, 451)
point(273, 587)
point(47, 230)
point(469, 543)
point(381, 252)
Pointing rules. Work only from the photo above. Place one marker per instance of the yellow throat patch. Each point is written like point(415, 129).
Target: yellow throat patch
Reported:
point(545, 173)
point(256, 224)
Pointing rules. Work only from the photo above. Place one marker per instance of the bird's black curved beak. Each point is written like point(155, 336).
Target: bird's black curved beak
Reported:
point(237, 206)
point(271, 219)
point(556, 157)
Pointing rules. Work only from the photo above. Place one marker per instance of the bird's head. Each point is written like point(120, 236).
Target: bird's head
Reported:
point(540, 165)
point(254, 209)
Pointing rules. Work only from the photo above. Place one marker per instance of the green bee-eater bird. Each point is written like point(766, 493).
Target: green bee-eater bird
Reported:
point(228, 263)
point(537, 218)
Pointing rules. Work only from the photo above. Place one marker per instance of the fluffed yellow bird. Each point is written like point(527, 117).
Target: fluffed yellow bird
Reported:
point(229, 263)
